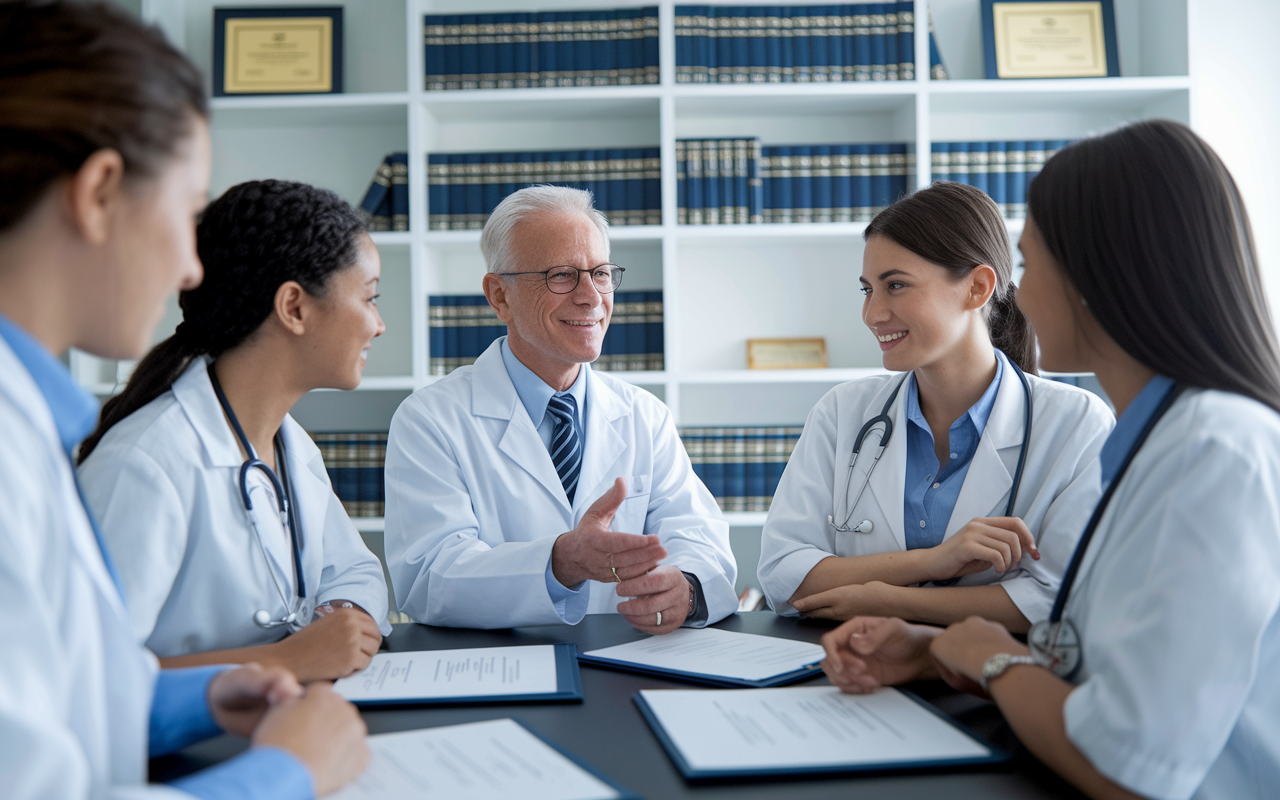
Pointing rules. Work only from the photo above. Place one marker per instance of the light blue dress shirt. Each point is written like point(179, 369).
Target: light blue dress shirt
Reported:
point(180, 709)
point(535, 394)
point(1129, 426)
point(931, 492)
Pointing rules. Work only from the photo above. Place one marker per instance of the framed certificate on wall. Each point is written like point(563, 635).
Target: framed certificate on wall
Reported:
point(289, 50)
point(1049, 39)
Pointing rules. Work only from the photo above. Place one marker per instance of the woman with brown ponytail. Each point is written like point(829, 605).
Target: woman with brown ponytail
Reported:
point(973, 434)
point(288, 304)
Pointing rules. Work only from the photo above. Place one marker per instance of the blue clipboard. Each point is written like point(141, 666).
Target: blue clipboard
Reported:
point(989, 38)
point(623, 792)
point(996, 756)
point(781, 679)
point(568, 688)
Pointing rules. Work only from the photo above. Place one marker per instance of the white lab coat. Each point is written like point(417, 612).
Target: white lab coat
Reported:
point(75, 688)
point(1179, 691)
point(474, 504)
point(163, 483)
point(1060, 484)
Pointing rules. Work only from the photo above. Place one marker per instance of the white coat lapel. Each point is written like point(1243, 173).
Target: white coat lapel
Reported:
point(888, 479)
point(990, 477)
point(493, 395)
point(604, 444)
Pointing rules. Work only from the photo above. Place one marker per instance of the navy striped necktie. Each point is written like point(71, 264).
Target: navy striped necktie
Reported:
point(566, 444)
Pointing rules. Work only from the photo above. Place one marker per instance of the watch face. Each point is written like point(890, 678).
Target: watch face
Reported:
point(995, 665)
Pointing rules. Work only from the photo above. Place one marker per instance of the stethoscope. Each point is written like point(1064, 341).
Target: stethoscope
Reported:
point(886, 423)
point(262, 617)
point(1055, 642)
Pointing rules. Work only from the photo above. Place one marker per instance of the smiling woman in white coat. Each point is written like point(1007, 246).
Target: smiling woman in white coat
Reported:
point(973, 479)
point(105, 160)
point(1154, 675)
point(288, 304)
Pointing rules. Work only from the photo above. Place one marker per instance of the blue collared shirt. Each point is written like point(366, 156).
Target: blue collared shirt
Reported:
point(931, 492)
point(535, 394)
point(1129, 426)
point(180, 709)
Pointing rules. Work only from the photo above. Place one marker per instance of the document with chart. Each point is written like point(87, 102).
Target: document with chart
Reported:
point(716, 657)
point(719, 733)
point(494, 760)
point(483, 674)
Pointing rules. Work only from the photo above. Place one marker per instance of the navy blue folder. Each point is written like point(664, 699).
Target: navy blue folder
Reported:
point(995, 756)
point(568, 688)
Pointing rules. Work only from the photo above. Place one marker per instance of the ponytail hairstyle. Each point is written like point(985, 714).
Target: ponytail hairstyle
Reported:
point(957, 227)
point(79, 77)
point(1148, 225)
point(251, 240)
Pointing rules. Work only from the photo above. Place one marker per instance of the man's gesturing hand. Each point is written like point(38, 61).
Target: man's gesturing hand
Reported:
point(593, 552)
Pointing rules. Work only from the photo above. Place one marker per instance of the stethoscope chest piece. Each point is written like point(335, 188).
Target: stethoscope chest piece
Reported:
point(1056, 645)
point(866, 526)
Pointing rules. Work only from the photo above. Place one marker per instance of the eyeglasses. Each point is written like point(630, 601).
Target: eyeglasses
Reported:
point(563, 280)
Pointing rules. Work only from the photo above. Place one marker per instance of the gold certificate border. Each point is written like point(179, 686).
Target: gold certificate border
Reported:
point(1003, 13)
point(324, 81)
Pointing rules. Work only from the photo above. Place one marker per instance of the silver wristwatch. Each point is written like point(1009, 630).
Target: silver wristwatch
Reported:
point(995, 666)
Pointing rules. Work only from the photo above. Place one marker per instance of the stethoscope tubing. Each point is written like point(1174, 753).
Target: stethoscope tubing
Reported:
point(886, 421)
point(279, 484)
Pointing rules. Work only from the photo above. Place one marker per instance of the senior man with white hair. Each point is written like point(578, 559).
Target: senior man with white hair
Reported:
point(529, 489)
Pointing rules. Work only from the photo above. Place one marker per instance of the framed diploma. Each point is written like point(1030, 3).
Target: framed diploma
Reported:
point(787, 353)
point(290, 50)
point(1049, 39)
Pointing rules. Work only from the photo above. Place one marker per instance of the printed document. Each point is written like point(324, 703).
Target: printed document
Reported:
point(494, 760)
point(710, 651)
point(810, 726)
point(476, 672)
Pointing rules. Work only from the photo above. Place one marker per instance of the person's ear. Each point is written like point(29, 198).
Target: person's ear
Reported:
point(292, 307)
point(498, 292)
point(93, 194)
point(982, 284)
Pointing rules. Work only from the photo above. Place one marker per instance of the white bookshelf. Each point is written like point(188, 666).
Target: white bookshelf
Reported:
point(721, 284)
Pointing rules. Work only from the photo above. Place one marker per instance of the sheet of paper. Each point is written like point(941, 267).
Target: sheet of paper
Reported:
point(495, 760)
point(710, 651)
point(808, 726)
point(476, 672)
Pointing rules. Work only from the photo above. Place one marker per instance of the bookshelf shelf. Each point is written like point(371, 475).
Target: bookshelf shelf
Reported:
point(391, 238)
point(275, 103)
point(369, 524)
point(772, 231)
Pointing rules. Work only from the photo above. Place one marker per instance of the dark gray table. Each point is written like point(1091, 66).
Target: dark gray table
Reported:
point(608, 732)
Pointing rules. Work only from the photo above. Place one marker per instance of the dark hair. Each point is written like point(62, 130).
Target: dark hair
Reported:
point(958, 228)
point(1149, 227)
point(79, 77)
point(251, 240)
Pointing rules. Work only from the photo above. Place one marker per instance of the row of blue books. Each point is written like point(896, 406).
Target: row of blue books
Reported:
point(355, 463)
point(1001, 169)
point(612, 47)
point(385, 206)
point(464, 188)
point(741, 467)
point(461, 327)
point(734, 181)
point(801, 44)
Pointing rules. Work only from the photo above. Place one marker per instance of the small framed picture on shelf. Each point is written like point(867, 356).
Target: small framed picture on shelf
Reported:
point(787, 353)
point(1049, 39)
point(277, 50)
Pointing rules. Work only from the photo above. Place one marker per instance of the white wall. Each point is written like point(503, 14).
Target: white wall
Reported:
point(1236, 107)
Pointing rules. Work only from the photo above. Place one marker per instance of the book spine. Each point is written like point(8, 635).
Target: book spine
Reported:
point(399, 191)
point(1016, 179)
point(715, 457)
point(647, 46)
point(622, 43)
point(694, 445)
point(939, 162)
point(523, 51)
point(881, 190)
point(755, 183)
point(755, 477)
point(637, 338)
point(823, 194)
point(842, 183)
point(693, 149)
point(504, 52)
point(860, 180)
point(452, 51)
point(802, 172)
point(486, 48)
point(435, 335)
point(978, 166)
point(772, 44)
point(861, 43)
point(682, 184)
point(685, 33)
point(711, 181)
point(468, 52)
point(450, 323)
point(742, 181)
point(728, 182)
point(937, 70)
point(378, 189)
point(997, 175)
point(652, 186)
point(901, 166)
point(434, 28)
point(655, 340)
point(784, 185)
point(735, 469)
point(960, 162)
point(802, 44)
point(906, 40)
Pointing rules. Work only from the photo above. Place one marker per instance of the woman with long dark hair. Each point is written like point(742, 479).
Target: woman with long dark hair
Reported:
point(104, 160)
point(1154, 673)
point(213, 570)
point(971, 479)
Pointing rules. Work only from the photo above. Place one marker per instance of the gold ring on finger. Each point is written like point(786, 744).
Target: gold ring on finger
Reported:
point(616, 577)
point(659, 619)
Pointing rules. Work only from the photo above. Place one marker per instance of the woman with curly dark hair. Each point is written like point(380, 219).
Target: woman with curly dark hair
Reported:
point(231, 544)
